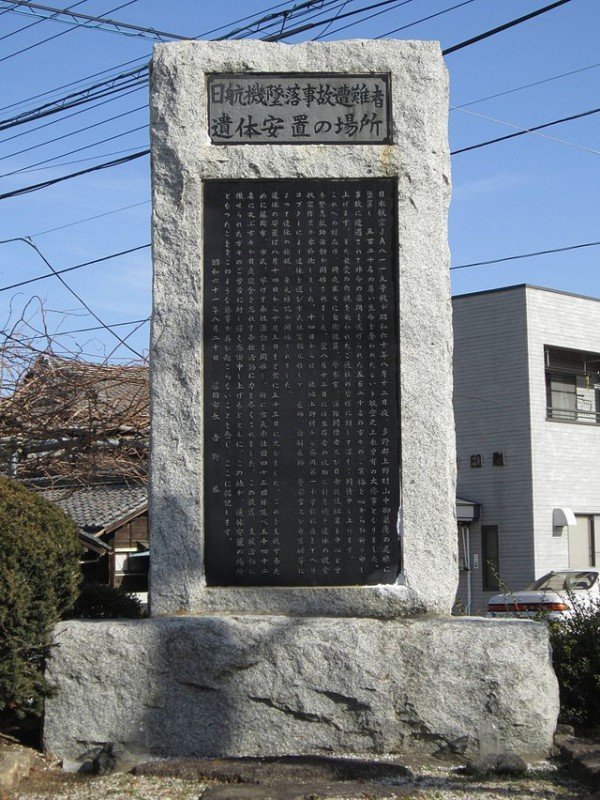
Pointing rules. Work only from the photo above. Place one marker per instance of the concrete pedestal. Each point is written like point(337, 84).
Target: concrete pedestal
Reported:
point(274, 685)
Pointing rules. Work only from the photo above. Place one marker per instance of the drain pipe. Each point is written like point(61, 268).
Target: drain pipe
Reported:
point(466, 542)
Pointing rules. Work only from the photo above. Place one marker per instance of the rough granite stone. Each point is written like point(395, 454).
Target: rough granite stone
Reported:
point(182, 157)
point(265, 686)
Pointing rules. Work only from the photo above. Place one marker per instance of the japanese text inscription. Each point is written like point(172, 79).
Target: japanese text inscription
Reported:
point(298, 109)
point(301, 406)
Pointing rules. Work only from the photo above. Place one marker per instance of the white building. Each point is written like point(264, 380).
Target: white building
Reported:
point(527, 408)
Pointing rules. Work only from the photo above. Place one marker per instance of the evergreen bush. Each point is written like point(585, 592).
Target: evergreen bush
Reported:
point(39, 577)
point(97, 601)
point(576, 657)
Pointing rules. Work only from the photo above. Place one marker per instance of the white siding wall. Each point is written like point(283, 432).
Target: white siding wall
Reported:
point(491, 403)
point(566, 456)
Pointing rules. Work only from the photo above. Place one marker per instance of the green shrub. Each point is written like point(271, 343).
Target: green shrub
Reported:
point(576, 658)
point(97, 601)
point(39, 577)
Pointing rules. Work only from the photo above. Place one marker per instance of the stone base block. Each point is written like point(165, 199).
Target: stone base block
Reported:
point(276, 685)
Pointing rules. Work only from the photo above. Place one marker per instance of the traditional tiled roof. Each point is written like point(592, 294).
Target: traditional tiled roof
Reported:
point(100, 507)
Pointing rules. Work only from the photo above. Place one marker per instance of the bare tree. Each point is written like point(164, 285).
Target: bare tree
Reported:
point(63, 415)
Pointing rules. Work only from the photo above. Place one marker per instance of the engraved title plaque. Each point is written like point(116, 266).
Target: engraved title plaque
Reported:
point(301, 405)
point(299, 109)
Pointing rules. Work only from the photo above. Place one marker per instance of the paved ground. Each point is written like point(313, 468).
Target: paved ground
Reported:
point(427, 781)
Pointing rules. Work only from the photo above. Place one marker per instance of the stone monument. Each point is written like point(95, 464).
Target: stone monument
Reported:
point(303, 539)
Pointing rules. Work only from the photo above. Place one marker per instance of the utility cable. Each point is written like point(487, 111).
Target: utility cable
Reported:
point(33, 24)
point(87, 219)
point(107, 87)
point(121, 27)
point(359, 21)
point(65, 269)
point(532, 132)
point(524, 86)
point(522, 132)
point(57, 274)
point(74, 133)
point(527, 255)
point(89, 330)
point(510, 24)
point(77, 99)
point(29, 167)
point(68, 116)
point(309, 26)
point(425, 19)
point(86, 160)
point(56, 35)
point(44, 184)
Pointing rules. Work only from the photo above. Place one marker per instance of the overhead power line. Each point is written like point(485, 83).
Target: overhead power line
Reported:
point(526, 255)
point(118, 83)
point(88, 219)
point(29, 167)
point(119, 27)
point(526, 130)
point(89, 330)
point(57, 35)
point(44, 184)
point(424, 19)
point(286, 34)
point(73, 133)
point(310, 26)
point(524, 86)
point(547, 136)
point(510, 24)
point(387, 10)
point(31, 24)
point(57, 274)
point(141, 153)
point(65, 269)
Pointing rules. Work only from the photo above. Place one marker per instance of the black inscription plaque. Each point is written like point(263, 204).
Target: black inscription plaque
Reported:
point(301, 410)
point(261, 108)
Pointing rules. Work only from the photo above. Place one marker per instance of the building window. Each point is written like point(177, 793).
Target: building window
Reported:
point(490, 555)
point(572, 385)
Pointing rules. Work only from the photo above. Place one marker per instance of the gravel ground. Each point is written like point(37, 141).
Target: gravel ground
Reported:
point(544, 781)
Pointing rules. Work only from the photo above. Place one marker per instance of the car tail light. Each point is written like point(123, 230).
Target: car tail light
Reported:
point(555, 606)
point(504, 607)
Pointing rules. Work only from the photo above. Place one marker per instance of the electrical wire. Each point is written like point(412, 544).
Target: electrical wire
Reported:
point(86, 160)
point(523, 131)
point(89, 330)
point(33, 24)
point(309, 26)
point(425, 19)
point(532, 132)
point(108, 87)
point(57, 274)
point(87, 219)
point(75, 132)
point(29, 167)
point(62, 271)
point(524, 86)
point(504, 27)
point(44, 184)
point(82, 19)
point(360, 21)
point(526, 255)
point(56, 35)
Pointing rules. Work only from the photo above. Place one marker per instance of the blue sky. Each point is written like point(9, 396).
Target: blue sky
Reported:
point(531, 193)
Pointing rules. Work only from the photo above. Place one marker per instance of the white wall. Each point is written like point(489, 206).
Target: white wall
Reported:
point(491, 399)
point(566, 455)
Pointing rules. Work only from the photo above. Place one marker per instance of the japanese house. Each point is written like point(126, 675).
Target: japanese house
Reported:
point(112, 518)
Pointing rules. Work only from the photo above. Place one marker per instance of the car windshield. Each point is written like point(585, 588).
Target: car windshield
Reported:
point(561, 581)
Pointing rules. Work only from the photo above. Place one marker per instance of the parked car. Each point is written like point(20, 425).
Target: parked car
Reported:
point(552, 596)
